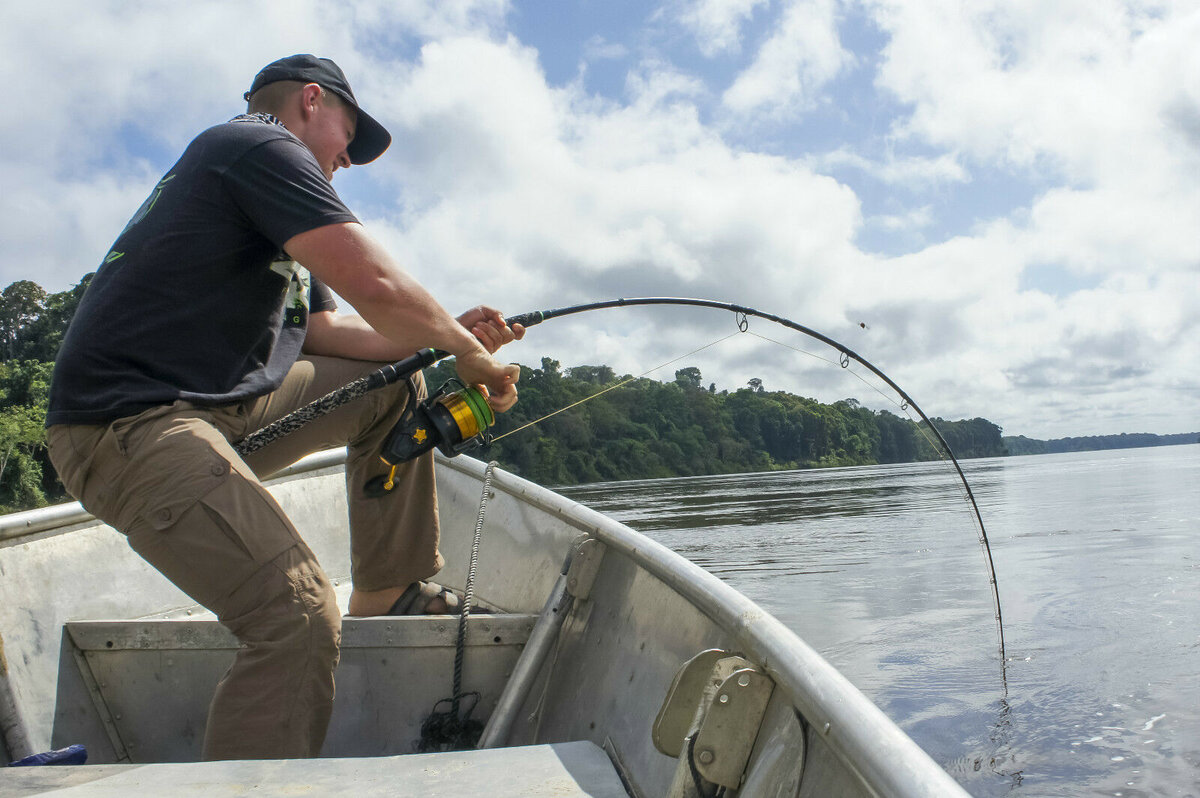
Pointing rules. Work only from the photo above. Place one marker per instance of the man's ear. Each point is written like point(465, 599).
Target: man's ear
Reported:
point(310, 97)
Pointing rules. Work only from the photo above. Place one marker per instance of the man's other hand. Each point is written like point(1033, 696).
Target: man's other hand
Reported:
point(488, 325)
point(498, 380)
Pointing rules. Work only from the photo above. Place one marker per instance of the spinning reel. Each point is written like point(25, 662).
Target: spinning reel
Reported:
point(454, 419)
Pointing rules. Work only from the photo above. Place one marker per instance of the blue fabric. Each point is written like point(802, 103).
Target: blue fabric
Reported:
point(71, 755)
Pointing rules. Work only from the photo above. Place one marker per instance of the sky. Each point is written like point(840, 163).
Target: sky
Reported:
point(995, 202)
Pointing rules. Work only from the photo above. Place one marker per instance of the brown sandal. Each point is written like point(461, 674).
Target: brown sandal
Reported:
point(415, 600)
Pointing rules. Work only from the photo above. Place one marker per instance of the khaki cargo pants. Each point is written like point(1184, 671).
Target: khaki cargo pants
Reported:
point(171, 482)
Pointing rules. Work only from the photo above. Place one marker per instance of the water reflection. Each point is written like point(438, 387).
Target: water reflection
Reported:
point(880, 569)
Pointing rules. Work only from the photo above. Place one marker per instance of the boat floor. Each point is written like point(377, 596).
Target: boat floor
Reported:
point(560, 769)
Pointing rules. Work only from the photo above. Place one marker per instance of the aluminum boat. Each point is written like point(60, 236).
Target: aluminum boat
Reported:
point(612, 667)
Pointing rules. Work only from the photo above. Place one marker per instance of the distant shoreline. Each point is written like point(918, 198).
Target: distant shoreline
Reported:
point(1021, 445)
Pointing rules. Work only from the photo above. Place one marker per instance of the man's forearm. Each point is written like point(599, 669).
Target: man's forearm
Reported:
point(394, 305)
point(399, 310)
point(337, 335)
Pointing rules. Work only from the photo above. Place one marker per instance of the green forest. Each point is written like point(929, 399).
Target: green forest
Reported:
point(32, 324)
point(648, 429)
point(643, 429)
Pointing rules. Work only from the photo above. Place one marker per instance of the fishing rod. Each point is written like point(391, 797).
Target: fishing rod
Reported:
point(456, 420)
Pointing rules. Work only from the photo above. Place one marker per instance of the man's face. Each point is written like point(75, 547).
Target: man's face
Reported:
point(329, 133)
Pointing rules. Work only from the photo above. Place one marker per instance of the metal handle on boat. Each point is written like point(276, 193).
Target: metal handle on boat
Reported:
point(541, 641)
point(575, 581)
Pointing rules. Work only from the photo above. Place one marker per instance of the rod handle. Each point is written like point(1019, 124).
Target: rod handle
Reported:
point(527, 319)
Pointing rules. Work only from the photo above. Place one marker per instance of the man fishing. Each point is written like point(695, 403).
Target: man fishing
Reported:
point(212, 316)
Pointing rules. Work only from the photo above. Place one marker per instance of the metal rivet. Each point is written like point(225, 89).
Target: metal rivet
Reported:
point(828, 727)
point(706, 756)
point(744, 680)
point(725, 699)
point(218, 469)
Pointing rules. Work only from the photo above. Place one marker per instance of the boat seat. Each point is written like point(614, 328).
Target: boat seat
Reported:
point(560, 769)
point(138, 691)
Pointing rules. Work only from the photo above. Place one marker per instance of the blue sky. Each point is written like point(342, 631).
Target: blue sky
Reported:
point(1004, 193)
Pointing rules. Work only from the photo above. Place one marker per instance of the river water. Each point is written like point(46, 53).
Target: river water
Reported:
point(880, 568)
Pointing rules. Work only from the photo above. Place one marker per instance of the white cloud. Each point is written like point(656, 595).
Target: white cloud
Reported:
point(1097, 100)
point(792, 66)
point(597, 48)
point(545, 193)
point(158, 73)
point(57, 233)
point(426, 20)
point(717, 24)
point(914, 219)
point(903, 171)
point(1077, 86)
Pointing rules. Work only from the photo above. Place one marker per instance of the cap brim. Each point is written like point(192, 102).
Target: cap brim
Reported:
point(370, 140)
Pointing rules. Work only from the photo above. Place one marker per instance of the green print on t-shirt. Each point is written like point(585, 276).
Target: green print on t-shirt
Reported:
point(295, 303)
point(142, 213)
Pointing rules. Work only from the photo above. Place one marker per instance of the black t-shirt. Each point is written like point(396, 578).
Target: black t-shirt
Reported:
point(197, 300)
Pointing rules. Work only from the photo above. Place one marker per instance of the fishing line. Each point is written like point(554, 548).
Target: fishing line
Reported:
point(815, 356)
point(903, 407)
point(613, 387)
point(742, 312)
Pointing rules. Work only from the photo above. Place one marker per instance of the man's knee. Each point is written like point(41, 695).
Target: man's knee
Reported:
point(289, 605)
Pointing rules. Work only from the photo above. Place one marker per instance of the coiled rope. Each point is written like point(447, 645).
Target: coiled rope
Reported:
point(445, 729)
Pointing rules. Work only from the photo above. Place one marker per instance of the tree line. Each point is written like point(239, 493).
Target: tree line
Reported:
point(1126, 440)
point(647, 429)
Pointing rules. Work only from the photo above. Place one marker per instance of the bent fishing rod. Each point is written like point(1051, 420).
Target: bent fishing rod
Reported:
point(456, 420)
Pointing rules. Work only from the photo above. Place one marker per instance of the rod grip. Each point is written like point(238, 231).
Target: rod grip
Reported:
point(527, 319)
point(397, 371)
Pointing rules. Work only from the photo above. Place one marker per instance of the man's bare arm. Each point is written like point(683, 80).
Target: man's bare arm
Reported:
point(394, 305)
point(347, 335)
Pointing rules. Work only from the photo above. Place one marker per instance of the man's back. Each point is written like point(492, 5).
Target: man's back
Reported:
point(190, 302)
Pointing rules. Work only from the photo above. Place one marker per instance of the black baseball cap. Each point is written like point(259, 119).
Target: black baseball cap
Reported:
point(370, 137)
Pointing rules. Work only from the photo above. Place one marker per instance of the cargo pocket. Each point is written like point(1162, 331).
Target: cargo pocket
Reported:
point(213, 536)
point(251, 516)
point(170, 491)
